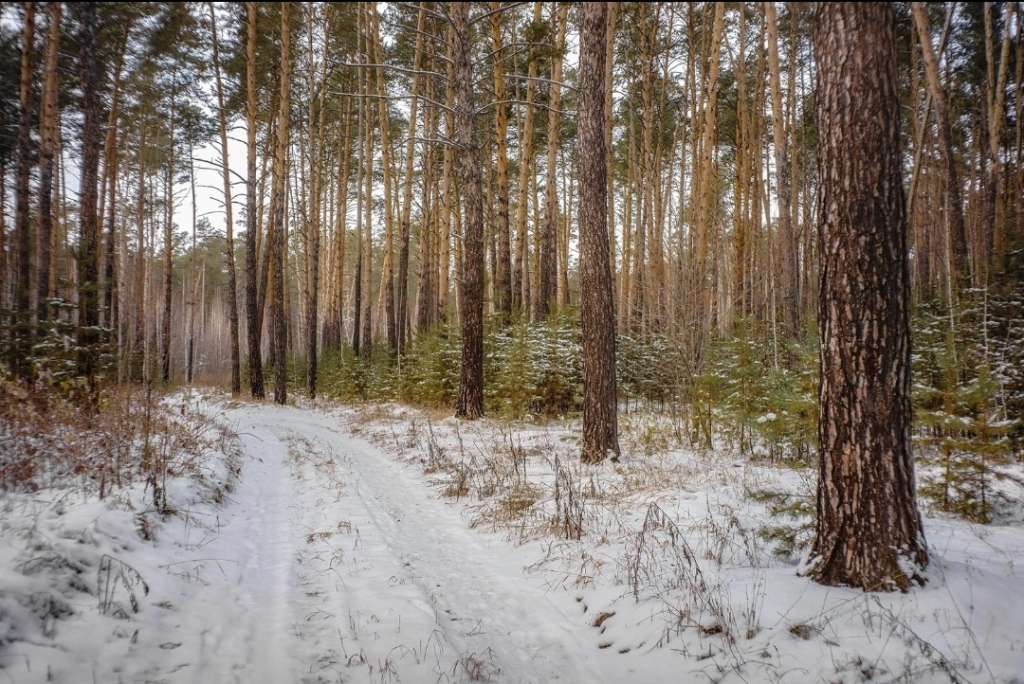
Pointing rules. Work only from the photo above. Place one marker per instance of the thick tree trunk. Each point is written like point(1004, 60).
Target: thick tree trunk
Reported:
point(280, 245)
point(869, 531)
point(600, 419)
point(236, 378)
point(253, 317)
point(471, 385)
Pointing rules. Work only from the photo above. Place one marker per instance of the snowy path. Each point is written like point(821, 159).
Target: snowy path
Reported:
point(351, 569)
point(333, 560)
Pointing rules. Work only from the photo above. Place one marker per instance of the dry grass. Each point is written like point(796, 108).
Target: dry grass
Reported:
point(128, 435)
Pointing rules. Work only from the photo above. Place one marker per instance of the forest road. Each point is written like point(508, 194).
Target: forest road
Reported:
point(353, 569)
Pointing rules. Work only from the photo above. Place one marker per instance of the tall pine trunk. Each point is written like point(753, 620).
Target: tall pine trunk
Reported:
point(869, 531)
point(600, 421)
point(47, 145)
point(280, 244)
point(471, 385)
point(165, 334)
point(253, 322)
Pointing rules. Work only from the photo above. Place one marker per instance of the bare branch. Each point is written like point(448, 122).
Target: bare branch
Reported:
point(401, 70)
point(487, 15)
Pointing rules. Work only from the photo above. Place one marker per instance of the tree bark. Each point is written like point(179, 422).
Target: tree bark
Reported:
point(253, 317)
point(600, 419)
point(47, 145)
point(609, 75)
point(471, 385)
point(367, 270)
point(165, 333)
point(280, 182)
point(869, 531)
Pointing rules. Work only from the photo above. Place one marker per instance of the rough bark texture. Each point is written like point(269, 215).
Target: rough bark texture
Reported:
point(600, 420)
point(252, 304)
point(869, 530)
point(471, 384)
point(88, 264)
point(280, 184)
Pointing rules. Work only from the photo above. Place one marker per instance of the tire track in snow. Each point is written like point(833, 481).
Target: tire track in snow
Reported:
point(411, 594)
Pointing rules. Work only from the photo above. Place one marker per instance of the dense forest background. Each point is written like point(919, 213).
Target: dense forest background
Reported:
point(342, 232)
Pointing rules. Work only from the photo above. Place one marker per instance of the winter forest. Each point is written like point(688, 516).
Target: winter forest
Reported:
point(511, 342)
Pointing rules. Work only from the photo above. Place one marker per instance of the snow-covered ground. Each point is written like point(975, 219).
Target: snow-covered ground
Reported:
point(383, 544)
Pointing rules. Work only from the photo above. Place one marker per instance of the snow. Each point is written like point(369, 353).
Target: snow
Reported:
point(384, 544)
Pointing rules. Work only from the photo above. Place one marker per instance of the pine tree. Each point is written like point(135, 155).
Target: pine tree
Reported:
point(600, 420)
point(471, 385)
point(869, 531)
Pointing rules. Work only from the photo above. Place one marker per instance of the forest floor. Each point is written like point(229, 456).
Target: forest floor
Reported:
point(320, 543)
